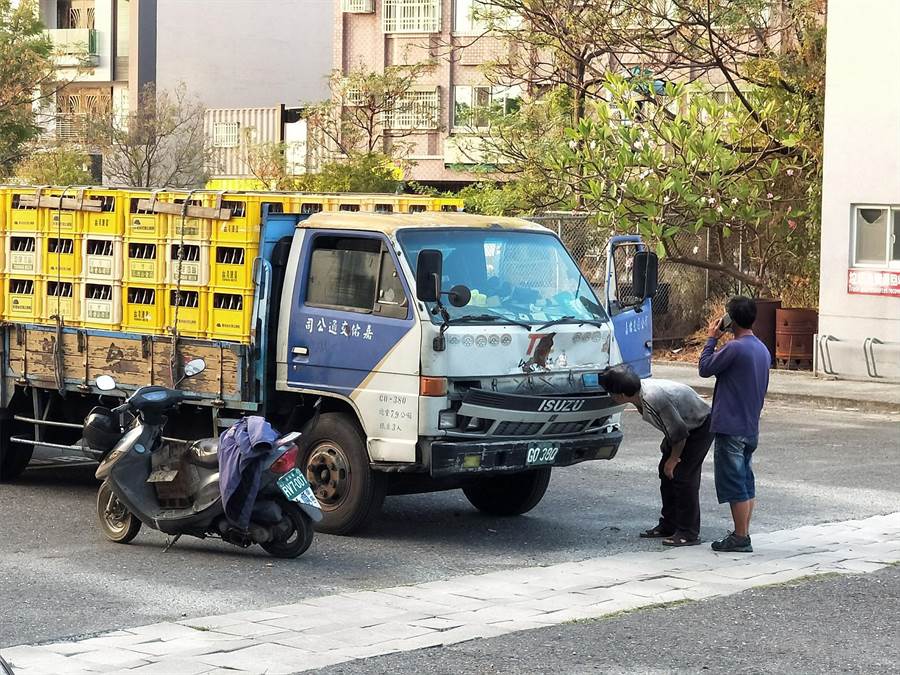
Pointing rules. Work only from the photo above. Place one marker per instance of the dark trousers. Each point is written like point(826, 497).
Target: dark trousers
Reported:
point(681, 495)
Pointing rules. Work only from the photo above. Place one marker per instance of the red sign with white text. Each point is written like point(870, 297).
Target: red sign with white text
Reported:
point(873, 282)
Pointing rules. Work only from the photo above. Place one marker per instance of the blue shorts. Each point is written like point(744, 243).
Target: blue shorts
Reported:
point(734, 469)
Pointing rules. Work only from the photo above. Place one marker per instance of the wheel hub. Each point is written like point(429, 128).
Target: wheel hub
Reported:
point(328, 473)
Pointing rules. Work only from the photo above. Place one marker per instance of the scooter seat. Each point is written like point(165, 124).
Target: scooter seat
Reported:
point(205, 453)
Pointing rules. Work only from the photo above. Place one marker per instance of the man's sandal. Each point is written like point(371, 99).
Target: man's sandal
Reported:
point(655, 533)
point(679, 540)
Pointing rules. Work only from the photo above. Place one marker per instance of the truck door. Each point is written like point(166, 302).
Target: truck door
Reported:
point(352, 333)
point(629, 301)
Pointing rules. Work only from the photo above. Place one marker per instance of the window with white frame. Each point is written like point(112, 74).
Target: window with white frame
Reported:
point(475, 17)
point(411, 16)
point(226, 134)
point(358, 6)
point(473, 107)
point(876, 234)
point(415, 110)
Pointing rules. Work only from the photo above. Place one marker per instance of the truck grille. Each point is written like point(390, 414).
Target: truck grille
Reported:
point(567, 427)
point(517, 428)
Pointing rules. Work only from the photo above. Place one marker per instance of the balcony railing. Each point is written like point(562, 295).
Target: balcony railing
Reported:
point(71, 127)
point(74, 47)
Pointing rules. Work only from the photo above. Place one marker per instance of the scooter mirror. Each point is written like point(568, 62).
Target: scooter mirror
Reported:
point(194, 367)
point(106, 383)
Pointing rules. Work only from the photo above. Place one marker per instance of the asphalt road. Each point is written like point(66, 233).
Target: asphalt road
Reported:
point(824, 625)
point(60, 578)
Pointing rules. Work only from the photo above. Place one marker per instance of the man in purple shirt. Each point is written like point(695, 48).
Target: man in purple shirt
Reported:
point(741, 368)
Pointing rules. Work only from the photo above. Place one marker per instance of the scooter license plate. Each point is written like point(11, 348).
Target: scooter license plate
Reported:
point(541, 453)
point(296, 488)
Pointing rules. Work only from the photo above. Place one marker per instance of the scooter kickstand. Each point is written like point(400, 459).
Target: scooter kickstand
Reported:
point(171, 542)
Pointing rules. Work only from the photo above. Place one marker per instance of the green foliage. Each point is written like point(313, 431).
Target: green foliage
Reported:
point(25, 70)
point(58, 165)
point(370, 172)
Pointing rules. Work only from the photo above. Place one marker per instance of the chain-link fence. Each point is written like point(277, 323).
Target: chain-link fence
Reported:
point(679, 303)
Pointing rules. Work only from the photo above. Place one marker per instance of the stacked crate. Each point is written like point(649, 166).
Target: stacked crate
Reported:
point(149, 262)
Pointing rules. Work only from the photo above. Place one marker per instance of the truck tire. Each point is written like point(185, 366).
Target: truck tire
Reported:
point(509, 495)
point(336, 463)
point(14, 457)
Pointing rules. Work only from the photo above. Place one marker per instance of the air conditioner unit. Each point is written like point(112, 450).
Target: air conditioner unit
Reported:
point(358, 6)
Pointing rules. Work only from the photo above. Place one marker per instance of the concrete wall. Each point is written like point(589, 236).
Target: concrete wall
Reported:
point(862, 166)
point(240, 53)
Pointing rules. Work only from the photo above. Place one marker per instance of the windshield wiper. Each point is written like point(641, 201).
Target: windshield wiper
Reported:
point(565, 319)
point(472, 318)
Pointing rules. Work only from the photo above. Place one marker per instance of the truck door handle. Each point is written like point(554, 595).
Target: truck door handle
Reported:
point(300, 351)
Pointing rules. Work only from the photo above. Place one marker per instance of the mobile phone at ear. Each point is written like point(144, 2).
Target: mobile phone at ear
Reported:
point(725, 323)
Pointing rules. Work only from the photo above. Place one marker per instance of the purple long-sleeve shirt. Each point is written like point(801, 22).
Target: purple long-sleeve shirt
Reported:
point(741, 368)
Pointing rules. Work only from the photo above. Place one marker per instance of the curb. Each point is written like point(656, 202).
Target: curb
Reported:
point(822, 402)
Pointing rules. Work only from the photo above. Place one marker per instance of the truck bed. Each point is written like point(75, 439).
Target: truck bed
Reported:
point(131, 359)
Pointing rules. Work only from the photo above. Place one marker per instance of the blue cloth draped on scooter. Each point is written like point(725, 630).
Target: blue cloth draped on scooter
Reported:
point(241, 451)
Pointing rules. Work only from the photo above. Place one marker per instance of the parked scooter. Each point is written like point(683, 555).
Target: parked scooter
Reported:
point(174, 487)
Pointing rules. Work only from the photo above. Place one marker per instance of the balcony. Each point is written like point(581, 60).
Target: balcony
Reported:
point(71, 127)
point(74, 47)
point(471, 150)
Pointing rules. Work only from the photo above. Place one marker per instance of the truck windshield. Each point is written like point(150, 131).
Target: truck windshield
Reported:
point(518, 275)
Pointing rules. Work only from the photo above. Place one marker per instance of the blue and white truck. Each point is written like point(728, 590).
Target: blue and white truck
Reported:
point(421, 352)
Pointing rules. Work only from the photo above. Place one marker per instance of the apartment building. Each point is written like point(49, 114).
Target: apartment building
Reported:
point(373, 34)
point(232, 55)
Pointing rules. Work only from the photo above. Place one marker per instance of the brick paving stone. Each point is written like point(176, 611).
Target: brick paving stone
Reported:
point(176, 666)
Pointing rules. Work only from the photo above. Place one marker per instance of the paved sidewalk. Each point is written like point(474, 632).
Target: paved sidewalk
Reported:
point(322, 631)
point(792, 386)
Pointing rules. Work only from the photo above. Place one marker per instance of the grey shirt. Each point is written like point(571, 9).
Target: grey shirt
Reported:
point(673, 408)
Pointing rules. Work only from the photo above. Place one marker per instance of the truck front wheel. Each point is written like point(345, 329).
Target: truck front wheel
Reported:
point(336, 464)
point(509, 495)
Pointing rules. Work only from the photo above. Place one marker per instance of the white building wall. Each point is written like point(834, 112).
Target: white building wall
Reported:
point(862, 166)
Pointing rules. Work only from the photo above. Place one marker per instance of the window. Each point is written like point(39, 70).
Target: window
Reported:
point(478, 16)
point(415, 110)
point(225, 134)
point(356, 274)
point(877, 235)
point(473, 107)
point(358, 6)
point(411, 16)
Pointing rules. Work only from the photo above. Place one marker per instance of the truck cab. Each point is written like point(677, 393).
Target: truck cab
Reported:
point(453, 350)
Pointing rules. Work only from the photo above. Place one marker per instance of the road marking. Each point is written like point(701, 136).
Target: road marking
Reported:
point(334, 629)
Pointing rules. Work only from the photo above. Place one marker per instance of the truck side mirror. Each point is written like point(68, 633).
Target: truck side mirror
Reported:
point(644, 272)
point(429, 271)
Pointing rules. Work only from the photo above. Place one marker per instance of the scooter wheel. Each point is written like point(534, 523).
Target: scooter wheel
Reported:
point(298, 539)
point(116, 521)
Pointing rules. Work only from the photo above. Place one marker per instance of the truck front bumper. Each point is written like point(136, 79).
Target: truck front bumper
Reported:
point(464, 457)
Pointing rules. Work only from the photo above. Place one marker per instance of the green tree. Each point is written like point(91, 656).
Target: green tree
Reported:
point(57, 165)
point(734, 149)
point(26, 77)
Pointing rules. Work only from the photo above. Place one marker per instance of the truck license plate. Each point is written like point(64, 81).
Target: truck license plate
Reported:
point(541, 453)
point(296, 488)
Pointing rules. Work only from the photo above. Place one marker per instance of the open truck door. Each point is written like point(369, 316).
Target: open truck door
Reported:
point(631, 281)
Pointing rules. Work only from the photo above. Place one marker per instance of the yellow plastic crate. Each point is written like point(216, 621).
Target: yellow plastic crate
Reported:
point(191, 306)
point(188, 228)
point(61, 298)
point(145, 262)
point(110, 221)
point(101, 305)
point(21, 215)
point(143, 308)
point(57, 222)
point(230, 315)
point(61, 256)
point(187, 264)
point(232, 267)
point(23, 300)
point(22, 254)
point(306, 204)
point(245, 223)
point(102, 258)
point(144, 223)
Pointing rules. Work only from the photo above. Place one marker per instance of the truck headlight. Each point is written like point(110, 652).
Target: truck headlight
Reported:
point(447, 419)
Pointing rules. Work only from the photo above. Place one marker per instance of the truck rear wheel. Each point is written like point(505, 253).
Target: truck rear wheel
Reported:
point(509, 495)
point(14, 457)
point(336, 463)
